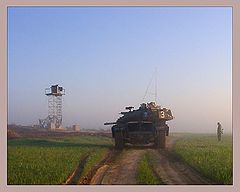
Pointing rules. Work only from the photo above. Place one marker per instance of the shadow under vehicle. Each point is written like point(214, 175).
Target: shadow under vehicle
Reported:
point(142, 126)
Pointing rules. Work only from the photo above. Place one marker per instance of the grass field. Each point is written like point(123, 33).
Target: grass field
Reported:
point(51, 161)
point(211, 158)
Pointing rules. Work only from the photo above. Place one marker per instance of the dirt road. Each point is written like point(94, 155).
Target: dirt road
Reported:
point(174, 172)
point(171, 170)
point(122, 171)
point(166, 166)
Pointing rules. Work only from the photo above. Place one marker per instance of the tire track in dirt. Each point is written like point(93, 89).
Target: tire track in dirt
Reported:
point(174, 172)
point(122, 171)
point(170, 169)
point(74, 177)
point(110, 156)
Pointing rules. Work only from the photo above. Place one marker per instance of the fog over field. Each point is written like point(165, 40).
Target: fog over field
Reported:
point(105, 58)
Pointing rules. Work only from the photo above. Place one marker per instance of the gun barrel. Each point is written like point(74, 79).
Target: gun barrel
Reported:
point(110, 123)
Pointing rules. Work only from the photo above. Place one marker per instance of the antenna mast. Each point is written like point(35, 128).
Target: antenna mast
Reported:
point(156, 85)
point(155, 92)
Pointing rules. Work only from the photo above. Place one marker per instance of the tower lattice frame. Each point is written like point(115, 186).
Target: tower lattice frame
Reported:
point(54, 119)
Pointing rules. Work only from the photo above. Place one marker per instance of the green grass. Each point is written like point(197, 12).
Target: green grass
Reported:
point(51, 161)
point(95, 156)
point(145, 174)
point(211, 158)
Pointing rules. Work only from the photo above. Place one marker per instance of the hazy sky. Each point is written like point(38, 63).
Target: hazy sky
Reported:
point(105, 57)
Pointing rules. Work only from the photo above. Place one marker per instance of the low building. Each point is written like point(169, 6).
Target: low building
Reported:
point(76, 127)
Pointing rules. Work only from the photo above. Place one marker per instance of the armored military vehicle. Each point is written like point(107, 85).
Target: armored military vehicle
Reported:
point(142, 126)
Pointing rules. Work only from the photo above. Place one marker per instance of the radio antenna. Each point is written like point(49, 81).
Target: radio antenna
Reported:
point(156, 85)
point(155, 93)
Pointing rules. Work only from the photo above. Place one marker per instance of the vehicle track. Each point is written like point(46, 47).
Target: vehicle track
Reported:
point(168, 168)
point(172, 171)
point(74, 177)
point(122, 171)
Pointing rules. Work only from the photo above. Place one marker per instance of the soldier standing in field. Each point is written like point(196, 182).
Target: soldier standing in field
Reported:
point(219, 131)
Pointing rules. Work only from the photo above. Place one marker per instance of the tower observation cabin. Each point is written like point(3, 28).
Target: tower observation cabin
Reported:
point(55, 90)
